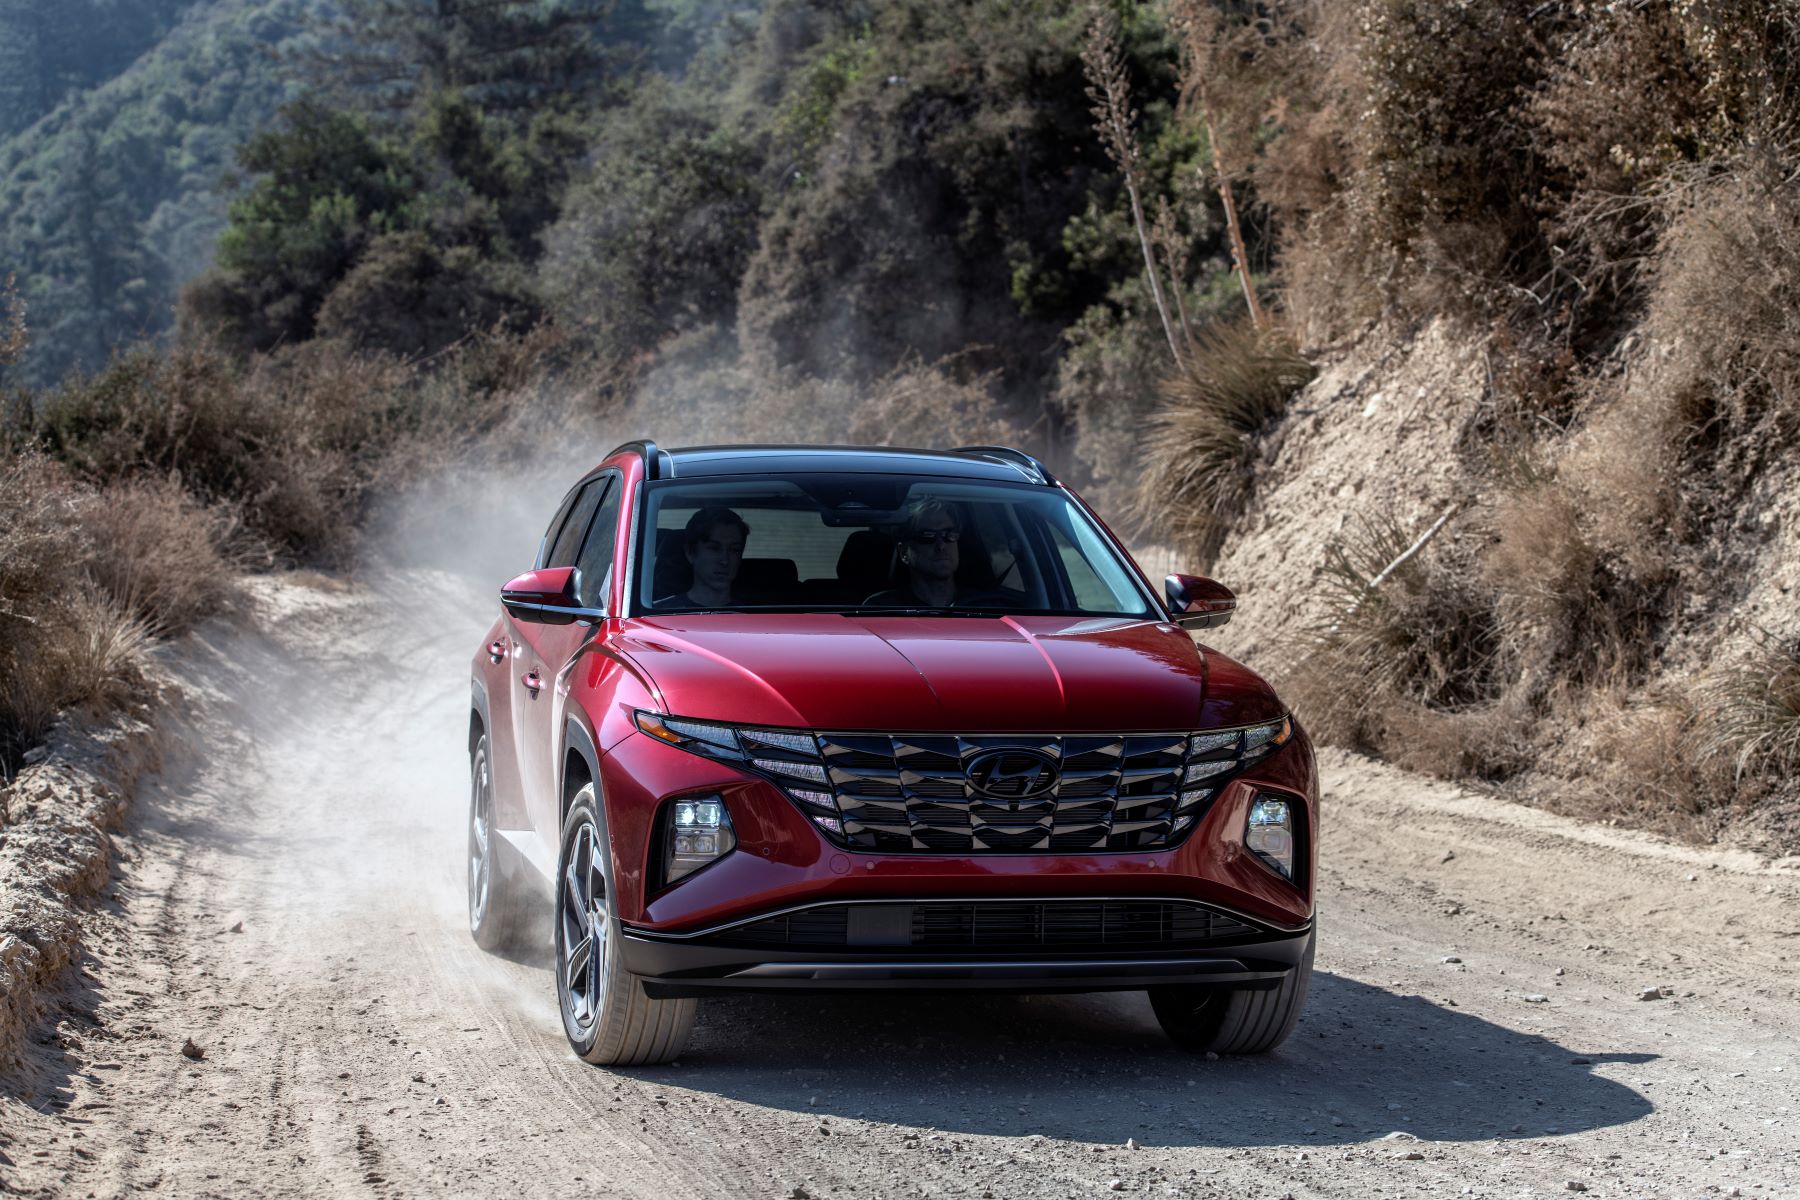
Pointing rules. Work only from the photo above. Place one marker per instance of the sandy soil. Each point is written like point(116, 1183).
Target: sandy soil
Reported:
point(290, 899)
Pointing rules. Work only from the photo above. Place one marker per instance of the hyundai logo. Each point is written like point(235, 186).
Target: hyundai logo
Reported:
point(1011, 774)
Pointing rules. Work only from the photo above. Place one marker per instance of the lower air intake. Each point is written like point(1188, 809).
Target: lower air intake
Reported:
point(998, 926)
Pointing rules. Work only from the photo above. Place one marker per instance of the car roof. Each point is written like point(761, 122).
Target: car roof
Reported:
point(998, 463)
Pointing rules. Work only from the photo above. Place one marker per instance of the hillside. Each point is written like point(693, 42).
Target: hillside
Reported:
point(112, 196)
point(1462, 337)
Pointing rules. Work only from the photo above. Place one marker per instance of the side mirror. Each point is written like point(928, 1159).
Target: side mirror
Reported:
point(546, 597)
point(1199, 602)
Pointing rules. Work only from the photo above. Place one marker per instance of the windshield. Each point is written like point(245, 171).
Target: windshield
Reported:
point(876, 544)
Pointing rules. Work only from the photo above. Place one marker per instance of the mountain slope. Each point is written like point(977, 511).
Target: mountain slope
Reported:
point(112, 200)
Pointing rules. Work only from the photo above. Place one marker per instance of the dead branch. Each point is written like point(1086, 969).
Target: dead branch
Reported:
point(1115, 120)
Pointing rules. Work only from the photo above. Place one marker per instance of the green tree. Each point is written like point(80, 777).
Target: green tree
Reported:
point(507, 56)
point(326, 188)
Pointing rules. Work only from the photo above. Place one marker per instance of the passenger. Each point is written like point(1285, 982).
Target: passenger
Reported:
point(714, 544)
point(928, 547)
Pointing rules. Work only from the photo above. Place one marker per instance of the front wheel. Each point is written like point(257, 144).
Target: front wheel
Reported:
point(608, 1016)
point(1239, 1020)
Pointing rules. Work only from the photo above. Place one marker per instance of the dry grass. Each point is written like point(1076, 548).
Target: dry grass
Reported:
point(1416, 654)
point(158, 553)
point(1752, 707)
point(1206, 442)
point(54, 643)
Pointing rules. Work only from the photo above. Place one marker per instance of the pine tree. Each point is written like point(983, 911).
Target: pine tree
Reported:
point(507, 56)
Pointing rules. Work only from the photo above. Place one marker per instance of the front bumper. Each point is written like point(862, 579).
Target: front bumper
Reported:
point(782, 861)
point(884, 955)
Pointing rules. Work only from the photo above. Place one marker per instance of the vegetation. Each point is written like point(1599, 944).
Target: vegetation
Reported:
point(111, 200)
point(1602, 196)
point(1210, 438)
point(1117, 232)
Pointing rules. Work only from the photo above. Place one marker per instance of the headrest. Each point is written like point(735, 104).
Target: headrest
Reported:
point(867, 558)
point(766, 579)
point(673, 573)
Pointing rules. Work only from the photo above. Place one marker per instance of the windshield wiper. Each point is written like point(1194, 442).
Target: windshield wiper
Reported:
point(919, 610)
point(701, 612)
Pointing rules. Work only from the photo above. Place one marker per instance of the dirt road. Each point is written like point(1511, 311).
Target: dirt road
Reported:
point(290, 898)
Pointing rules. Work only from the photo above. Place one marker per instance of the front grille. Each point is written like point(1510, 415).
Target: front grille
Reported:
point(997, 926)
point(914, 793)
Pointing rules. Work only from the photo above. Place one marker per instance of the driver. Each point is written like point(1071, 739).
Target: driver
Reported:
point(928, 547)
point(714, 544)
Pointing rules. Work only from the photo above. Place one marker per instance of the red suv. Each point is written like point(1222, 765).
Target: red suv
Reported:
point(819, 719)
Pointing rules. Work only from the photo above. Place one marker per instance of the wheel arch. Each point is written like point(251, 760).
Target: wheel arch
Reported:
point(580, 765)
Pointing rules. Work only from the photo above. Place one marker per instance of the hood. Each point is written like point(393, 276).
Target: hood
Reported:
point(942, 674)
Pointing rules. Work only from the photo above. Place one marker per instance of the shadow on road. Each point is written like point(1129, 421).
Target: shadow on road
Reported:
point(1363, 1063)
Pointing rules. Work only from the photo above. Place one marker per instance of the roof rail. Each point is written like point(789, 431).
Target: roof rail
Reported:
point(656, 460)
point(1016, 458)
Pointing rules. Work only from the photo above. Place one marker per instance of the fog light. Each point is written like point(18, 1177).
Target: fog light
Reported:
point(699, 832)
point(1270, 834)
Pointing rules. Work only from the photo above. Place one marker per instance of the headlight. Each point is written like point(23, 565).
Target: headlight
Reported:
point(790, 759)
point(698, 832)
point(1216, 754)
point(1269, 833)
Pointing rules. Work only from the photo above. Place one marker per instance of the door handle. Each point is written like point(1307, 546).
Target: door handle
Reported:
point(532, 681)
point(496, 650)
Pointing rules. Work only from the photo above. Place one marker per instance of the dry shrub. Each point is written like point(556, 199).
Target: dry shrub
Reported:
point(1329, 275)
point(1725, 310)
point(157, 553)
point(1751, 707)
point(1206, 442)
point(1631, 758)
point(928, 406)
point(60, 643)
point(1490, 741)
point(224, 432)
point(1387, 657)
point(41, 536)
point(296, 443)
point(1624, 102)
point(1574, 605)
point(88, 654)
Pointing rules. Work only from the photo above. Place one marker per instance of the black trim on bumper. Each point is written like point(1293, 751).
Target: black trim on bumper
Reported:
point(672, 968)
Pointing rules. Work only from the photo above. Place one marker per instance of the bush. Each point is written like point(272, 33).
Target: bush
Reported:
point(1399, 644)
point(1206, 443)
point(930, 407)
point(64, 642)
point(158, 554)
point(1752, 707)
point(227, 432)
point(407, 297)
point(1725, 302)
point(654, 240)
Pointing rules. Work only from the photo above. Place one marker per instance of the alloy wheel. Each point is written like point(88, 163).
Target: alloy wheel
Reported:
point(583, 920)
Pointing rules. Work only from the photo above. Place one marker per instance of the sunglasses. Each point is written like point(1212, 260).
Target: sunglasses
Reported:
point(931, 537)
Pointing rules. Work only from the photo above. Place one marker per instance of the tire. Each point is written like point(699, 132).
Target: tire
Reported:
point(607, 1015)
point(497, 914)
point(1235, 1020)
